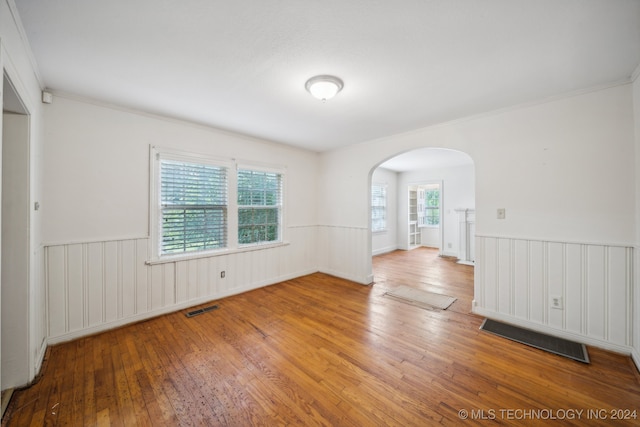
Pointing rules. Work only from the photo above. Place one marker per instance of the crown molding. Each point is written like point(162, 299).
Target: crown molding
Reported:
point(25, 41)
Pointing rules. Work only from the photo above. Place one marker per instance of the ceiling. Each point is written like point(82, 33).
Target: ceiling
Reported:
point(406, 64)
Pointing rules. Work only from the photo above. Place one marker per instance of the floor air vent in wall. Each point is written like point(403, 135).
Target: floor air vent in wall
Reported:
point(560, 346)
point(201, 310)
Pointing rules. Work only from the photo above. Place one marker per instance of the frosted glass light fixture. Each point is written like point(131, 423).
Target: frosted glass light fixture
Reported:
point(324, 87)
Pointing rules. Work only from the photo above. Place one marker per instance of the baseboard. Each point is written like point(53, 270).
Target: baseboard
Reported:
point(385, 250)
point(605, 345)
point(40, 359)
point(450, 254)
point(635, 356)
point(70, 336)
point(6, 397)
point(365, 280)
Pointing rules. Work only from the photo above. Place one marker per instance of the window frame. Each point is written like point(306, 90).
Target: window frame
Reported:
point(422, 214)
point(156, 154)
point(384, 186)
point(280, 206)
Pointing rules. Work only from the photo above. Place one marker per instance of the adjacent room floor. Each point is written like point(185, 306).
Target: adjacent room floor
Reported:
point(318, 350)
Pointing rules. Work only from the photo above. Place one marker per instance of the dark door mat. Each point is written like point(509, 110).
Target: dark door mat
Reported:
point(560, 346)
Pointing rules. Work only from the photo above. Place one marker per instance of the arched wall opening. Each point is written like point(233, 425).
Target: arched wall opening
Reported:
point(552, 229)
point(404, 214)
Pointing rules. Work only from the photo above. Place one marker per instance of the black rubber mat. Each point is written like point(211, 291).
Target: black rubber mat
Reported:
point(560, 346)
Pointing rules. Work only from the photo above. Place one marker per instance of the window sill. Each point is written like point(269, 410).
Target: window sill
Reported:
point(215, 253)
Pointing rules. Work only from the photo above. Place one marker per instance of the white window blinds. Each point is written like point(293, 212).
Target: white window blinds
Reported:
point(193, 199)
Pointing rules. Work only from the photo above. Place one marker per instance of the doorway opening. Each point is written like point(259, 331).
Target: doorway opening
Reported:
point(426, 191)
point(14, 252)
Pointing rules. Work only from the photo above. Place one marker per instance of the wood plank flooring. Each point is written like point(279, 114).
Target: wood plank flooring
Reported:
point(318, 350)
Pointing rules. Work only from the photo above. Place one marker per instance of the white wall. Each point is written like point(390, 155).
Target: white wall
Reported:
point(636, 289)
point(97, 168)
point(458, 184)
point(15, 249)
point(562, 169)
point(15, 61)
point(96, 172)
point(387, 241)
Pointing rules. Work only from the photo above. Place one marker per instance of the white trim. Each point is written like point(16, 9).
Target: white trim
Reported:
point(260, 167)
point(189, 156)
point(450, 254)
point(363, 280)
point(384, 250)
point(551, 240)
point(93, 240)
point(348, 227)
point(15, 16)
point(215, 253)
point(635, 356)
point(131, 237)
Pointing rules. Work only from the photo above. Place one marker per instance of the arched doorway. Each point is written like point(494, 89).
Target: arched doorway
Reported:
point(447, 174)
point(422, 199)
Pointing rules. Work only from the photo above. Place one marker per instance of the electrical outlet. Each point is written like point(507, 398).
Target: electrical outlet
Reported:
point(502, 213)
point(450, 245)
point(222, 274)
point(556, 302)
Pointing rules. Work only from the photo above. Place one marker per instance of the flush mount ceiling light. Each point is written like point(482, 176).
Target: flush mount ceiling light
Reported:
point(324, 87)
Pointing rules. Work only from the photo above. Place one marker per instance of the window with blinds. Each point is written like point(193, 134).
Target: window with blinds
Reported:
point(259, 207)
point(378, 207)
point(193, 205)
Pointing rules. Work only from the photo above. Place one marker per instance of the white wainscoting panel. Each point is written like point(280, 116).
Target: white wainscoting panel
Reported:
point(100, 285)
point(516, 279)
point(342, 251)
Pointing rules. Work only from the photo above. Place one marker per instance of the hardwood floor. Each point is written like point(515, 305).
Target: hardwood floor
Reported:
point(318, 350)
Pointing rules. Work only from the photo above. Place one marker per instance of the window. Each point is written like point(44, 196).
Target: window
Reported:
point(193, 207)
point(378, 207)
point(201, 205)
point(432, 206)
point(259, 206)
point(429, 205)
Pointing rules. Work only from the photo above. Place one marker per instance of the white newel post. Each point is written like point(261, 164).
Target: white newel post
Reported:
point(466, 233)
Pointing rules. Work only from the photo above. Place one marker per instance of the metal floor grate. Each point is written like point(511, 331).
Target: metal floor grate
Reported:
point(201, 310)
point(560, 346)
